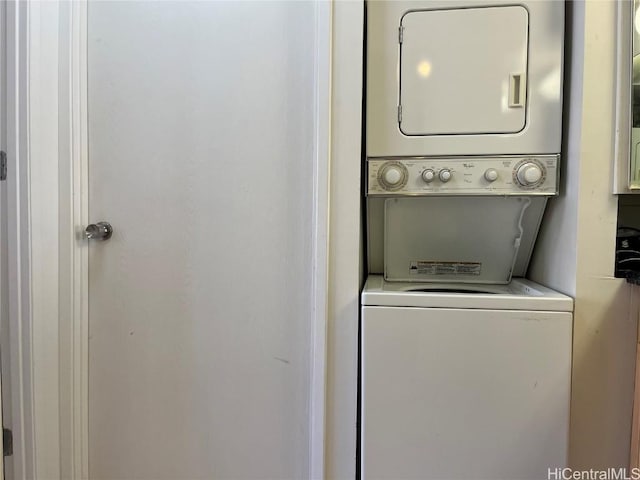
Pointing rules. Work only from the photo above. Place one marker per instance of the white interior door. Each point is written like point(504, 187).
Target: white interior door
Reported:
point(464, 71)
point(200, 157)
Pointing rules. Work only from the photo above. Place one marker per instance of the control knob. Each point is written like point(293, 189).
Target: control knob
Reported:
point(529, 173)
point(392, 176)
point(428, 175)
point(491, 175)
point(444, 175)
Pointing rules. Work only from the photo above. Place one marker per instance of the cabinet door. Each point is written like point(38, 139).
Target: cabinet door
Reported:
point(463, 71)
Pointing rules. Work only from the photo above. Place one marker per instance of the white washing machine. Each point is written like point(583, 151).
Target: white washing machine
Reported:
point(464, 381)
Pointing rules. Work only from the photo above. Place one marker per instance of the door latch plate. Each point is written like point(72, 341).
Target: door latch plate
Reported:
point(7, 442)
point(3, 166)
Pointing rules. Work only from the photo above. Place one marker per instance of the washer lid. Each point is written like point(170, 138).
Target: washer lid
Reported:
point(453, 238)
point(463, 71)
point(520, 294)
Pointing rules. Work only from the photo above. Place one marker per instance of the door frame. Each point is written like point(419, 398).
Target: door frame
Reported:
point(32, 239)
point(73, 251)
point(48, 258)
point(17, 293)
point(320, 245)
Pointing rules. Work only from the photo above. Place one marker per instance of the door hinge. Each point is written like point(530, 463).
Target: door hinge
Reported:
point(400, 33)
point(3, 166)
point(399, 113)
point(7, 442)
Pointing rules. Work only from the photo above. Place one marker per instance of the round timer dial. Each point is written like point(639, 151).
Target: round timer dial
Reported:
point(529, 173)
point(392, 176)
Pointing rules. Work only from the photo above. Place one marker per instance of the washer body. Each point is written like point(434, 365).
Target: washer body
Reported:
point(457, 384)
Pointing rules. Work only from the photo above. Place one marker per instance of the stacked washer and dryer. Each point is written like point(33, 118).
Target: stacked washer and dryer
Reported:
point(465, 365)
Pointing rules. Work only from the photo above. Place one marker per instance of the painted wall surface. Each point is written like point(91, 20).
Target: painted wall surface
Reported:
point(576, 249)
point(201, 121)
point(554, 262)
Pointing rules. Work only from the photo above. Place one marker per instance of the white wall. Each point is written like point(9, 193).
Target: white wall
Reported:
point(575, 251)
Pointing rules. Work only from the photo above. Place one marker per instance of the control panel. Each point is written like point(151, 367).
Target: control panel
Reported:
point(500, 175)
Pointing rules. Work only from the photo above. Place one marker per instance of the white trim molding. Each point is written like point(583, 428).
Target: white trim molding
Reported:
point(320, 279)
point(345, 239)
point(623, 98)
point(47, 138)
point(73, 197)
point(5, 344)
point(42, 231)
point(23, 462)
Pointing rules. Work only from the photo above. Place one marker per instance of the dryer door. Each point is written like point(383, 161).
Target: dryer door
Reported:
point(463, 71)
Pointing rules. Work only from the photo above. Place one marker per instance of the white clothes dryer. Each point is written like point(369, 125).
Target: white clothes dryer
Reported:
point(464, 381)
point(464, 77)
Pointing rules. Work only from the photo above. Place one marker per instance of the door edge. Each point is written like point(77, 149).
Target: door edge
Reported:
point(320, 246)
point(73, 251)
